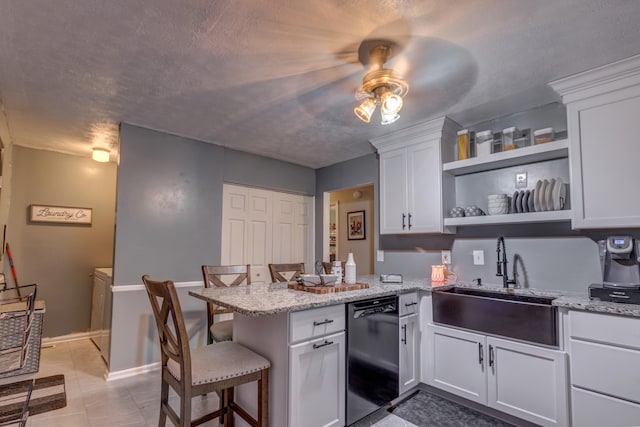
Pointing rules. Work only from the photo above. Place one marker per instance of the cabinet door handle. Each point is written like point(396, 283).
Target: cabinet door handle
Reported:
point(480, 354)
point(409, 221)
point(324, 344)
point(490, 355)
point(403, 225)
point(324, 322)
point(404, 331)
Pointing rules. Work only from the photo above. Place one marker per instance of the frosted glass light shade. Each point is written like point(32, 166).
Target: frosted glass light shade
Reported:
point(100, 155)
point(365, 110)
point(389, 118)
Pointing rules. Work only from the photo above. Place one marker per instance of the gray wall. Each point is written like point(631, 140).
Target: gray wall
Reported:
point(61, 257)
point(169, 223)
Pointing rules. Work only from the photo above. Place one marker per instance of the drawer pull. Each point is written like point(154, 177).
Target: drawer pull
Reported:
point(324, 322)
point(324, 344)
point(410, 304)
point(491, 356)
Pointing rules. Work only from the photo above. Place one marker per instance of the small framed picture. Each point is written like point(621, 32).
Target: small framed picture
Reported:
point(356, 224)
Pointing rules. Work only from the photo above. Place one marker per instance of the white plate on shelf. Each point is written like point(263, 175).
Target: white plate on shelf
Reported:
point(532, 198)
point(536, 200)
point(543, 194)
point(549, 194)
point(559, 194)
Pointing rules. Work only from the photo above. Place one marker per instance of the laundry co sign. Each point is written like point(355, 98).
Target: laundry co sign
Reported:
point(59, 214)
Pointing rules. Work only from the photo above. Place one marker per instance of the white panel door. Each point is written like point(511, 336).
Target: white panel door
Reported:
point(456, 362)
point(234, 224)
point(528, 381)
point(424, 188)
point(393, 192)
point(259, 235)
point(260, 227)
point(317, 382)
point(246, 229)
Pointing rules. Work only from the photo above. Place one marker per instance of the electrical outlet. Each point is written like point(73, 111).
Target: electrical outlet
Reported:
point(380, 256)
point(478, 257)
point(446, 257)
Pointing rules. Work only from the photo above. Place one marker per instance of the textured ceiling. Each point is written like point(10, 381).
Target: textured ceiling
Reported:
point(277, 77)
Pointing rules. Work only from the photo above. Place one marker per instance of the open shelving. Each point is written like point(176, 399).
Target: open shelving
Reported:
point(514, 218)
point(534, 153)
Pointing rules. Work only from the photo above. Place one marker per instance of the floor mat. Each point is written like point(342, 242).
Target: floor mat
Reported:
point(48, 394)
point(428, 410)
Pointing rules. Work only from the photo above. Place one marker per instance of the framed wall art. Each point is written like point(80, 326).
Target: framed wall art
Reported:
point(60, 214)
point(356, 224)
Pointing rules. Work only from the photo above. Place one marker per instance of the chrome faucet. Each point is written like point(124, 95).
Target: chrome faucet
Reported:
point(502, 264)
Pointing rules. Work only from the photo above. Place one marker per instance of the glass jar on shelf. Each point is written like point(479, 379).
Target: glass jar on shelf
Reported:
point(484, 143)
point(508, 138)
point(465, 144)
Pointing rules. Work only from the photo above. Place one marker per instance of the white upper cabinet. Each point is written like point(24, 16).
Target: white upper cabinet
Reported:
point(411, 180)
point(603, 107)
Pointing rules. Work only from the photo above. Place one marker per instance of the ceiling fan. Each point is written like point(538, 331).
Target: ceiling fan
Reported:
point(380, 86)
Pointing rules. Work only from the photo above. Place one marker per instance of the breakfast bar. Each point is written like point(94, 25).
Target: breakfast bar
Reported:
point(280, 324)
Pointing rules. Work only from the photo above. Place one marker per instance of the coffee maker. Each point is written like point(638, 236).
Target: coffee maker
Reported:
point(620, 263)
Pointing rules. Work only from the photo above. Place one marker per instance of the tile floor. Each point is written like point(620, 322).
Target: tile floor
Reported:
point(91, 401)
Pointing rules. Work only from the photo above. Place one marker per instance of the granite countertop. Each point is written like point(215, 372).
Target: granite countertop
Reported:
point(272, 298)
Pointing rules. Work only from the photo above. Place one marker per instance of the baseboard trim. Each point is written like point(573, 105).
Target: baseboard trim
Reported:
point(67, 338)
point(132, 372)
point(138, 288)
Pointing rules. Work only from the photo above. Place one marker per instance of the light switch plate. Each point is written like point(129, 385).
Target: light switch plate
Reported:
point(478, 257)
point(380, 256)
point(521, 180)
point(446, 257)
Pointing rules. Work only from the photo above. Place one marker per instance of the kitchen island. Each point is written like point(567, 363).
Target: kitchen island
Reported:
point(299, 332)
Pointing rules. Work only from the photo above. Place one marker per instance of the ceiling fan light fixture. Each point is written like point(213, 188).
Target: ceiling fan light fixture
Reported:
point(100, 155)
point(365, 110)
point(381, 86)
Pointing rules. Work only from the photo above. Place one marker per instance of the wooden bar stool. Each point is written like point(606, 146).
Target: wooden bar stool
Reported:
point(213, 368)
point(277, 271)
point(222, 276)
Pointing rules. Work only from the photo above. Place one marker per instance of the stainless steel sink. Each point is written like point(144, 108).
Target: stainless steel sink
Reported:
point(523, 317)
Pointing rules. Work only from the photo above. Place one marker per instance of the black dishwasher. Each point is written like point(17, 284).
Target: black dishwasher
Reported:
point(372, 355)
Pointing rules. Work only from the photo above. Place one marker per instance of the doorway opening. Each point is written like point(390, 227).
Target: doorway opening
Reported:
point(348, 226)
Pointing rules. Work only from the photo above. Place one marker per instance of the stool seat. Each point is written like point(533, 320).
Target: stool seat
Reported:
point(222, 331)
point(229, 359)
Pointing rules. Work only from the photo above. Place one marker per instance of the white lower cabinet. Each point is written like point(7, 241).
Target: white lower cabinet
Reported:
point(408, 369)
point(523, 380)
point(317, 382)
point(605, 379)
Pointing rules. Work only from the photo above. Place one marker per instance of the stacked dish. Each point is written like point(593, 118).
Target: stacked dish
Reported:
point(498, 204)
point(550, 195)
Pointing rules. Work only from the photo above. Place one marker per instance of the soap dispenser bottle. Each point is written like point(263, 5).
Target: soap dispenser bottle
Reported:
point(350, 270)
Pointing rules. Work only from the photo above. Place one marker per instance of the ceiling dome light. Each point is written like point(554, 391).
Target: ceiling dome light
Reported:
point(390, 103)
point(100, 155)
point(365, 110)
point(381, 85)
